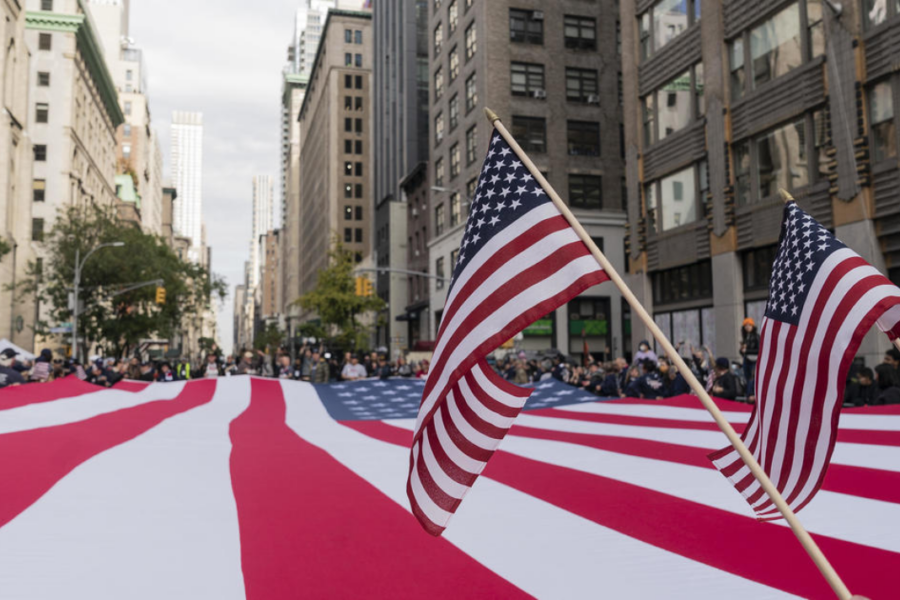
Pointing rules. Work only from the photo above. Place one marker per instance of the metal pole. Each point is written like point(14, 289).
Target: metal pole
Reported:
point(75, 304)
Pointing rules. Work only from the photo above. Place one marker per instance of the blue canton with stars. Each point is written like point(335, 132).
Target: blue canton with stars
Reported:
point(802, 248)
point(370, 400)
point(506, 191)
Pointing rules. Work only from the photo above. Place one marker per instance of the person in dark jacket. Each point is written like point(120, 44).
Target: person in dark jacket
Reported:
point(863, 391)
point(384, 370)
point(888, 384)
point(724, 385)
point(650, 382)
point(749, 352)
point(673, 382)
point(166, 373)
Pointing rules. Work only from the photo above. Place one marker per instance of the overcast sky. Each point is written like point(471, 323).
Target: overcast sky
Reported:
point(224, 59)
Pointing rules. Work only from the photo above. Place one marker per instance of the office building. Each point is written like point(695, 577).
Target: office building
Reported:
point(187, 177)
point(262, 223)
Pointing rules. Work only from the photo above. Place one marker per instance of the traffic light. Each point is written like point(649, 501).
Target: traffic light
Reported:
point(359, 285)
point(364, 286)
point(160, 295)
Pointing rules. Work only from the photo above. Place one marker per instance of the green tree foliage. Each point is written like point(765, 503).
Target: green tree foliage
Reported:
point(118, 322)
point(335, 301)
point(269, 339)
point(5, 248)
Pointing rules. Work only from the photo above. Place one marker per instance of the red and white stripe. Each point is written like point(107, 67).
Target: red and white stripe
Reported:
point(530, 268)
point(800, 380)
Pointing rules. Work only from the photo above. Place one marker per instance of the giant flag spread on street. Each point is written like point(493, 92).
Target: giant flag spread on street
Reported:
point(243, 487)
point(823, 299)
point(519, 260)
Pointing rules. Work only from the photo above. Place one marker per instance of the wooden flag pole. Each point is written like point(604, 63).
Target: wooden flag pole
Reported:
point(806, 540)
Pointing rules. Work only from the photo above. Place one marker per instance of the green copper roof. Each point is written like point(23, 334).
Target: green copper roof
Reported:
point(81, 26)
point(125, 189)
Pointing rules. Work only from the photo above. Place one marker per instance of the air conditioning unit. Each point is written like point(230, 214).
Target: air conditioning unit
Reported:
point(438, 137)
point(415, 212)
point(537, 15)
point(540, 94)
point(593, 99)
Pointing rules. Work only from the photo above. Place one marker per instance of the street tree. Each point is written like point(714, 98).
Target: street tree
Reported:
point(269, 339)
point(117, 321)
point(335, 301)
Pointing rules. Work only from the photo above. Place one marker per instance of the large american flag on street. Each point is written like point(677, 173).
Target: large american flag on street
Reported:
point(518, 260)
point(823, 299)
point(241, 487)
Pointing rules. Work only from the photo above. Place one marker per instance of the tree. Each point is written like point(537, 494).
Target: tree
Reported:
point(119, 322)
point(269, 339)
point(335, 301)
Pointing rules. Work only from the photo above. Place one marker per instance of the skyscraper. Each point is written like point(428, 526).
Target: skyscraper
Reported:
point(308, 23)
point(262, 223)
point(187, 175)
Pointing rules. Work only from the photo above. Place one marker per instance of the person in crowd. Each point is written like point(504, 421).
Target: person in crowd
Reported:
point(8, 375)
point(319, 369)
point(521, 374)
point(40, 372)
point(353, 371)
point(133, 370)
point(609, 384)
point(165, 373)
point(888, 381)
point(346, 361)
point(749, 352)
point(210, 368)
point(245, 367)
point(724, 384)
point(148, 373)
point(892, 358)
point(98, 375)
point(673, 382)
point(230, 367)
point(560, 370)
point(264, 364)
point(384, 370)
point(650, 382)
point(422, 371)
point(632, 384)
point(403, 369)
point(59, 369)
point(645, 352)
point(862, 391)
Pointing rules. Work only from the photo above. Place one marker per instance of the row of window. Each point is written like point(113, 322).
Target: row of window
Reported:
point(675, 200)
point(673, 106)
point(351, 60)
point(351, 212)
point(453, 110)
point(353, 103)
point(471, 155)
point(353, 125)
point(527, 79)
point(664, 22)
point(353, 147)
point(531, 133)
point(353, 37)
point(353, 235)
point(353, 190)
point(353, 169)
point(527, 27)
point(470, 43)
point(453, 63)
point(353, 81)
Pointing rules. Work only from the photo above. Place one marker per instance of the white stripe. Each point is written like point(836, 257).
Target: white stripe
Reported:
point(435, 513)
point(152, 518)
point(470, 433)
point(673, 413)
point(491, 325)
point(484, 381)
point(80, 408)
point(482, 411)
point(441, 479)
point(510, 532)
point(889, 319)
point(771, 398)
point(460, 458)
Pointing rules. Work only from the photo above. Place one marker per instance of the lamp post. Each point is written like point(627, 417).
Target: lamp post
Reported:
point(79, 264)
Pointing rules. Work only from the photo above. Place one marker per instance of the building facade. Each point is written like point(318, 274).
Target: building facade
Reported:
point(187, 176)
point(270, 272)
point(415, 190)
point(401, 144)
point(802, 99)
point(293, 92)
point(551, 72)
point(262, 222)
point(335, 154)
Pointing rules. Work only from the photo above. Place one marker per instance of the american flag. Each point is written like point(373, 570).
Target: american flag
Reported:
point(823, 299)
point(519, 259)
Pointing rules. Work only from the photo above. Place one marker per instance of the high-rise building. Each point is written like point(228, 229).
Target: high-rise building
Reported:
point(335, 175)
point(262, 223)
point(308, 24)
point(271, 271)
point(401, 143)
point(187, 177)
point(550, 70)
point(801, 98)
point(289, 240)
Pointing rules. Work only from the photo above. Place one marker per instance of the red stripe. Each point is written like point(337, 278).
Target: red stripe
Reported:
point(130, 385)
point(456, 436)
point(629, 420)
point(474, 421)
point(434, 491)
point(33, 393)
point(312, 528)
point(44, 456)
point(504, 410)
point(689, 401)
point(453, 471)
point(766, 553)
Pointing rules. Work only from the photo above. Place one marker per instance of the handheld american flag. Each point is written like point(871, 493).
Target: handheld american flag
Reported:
point(823, 298)
point(519, 259)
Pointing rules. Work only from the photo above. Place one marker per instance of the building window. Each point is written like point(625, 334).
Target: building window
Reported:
point(580, 32)
point(348, 234)
point(348, 190)
point(471, 41)
point(454, 160)
point(648, 112)
point(128, 107)
point(758, 268)
point(581, 85)
point(471, 186)
point(126, 130)
point(526, 26)
point(358, 168)
point(348, 36)
point(358, 125)
point(348, 124)
point(674, 105)
point(439, 219)
point(38, 189)
point(454, 209)
point(781, 159)
point(439, 172)
point(452, 16)
point(357, 37)
point(454, 111)
point(42, 112)
point(742, 173)
point(439, 273)
point(881, 117)
point(359, 213)
point(45, 41)
point(348, 59)
point(358, 235)
point(584, 138)
point(47, 5)
point(358, 190)
point(358, 147)
point(358, 103)
point(37, 230)
point(438, 83)
point(348, 213)
point(348, 146)
point(126, 151)
point(471, 93)
point(674, 200)
point(438, 38)
point(738, 74)
point(348, 169)
point(438, 128)
point(358, 79)
point(531, 133)
point(877, 12)
point(471, 145)
point(358, 60)
point(348, 81)
point(664, 22)
point(527, 79)
point(585, 191)
point(454, 259)
point(348, 102)
point(40, 152)
point(43, 79)
point(454, 64)
point(683, 284)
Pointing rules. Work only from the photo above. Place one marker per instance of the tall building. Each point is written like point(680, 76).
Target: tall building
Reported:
point(262, 223)
point(803, 99)
point(551, 72)
point(335, 176)
point(308, 24)
point(294, 90)
point(187, 177)
point(401, 144)
point(271, 271)
point(17, 190)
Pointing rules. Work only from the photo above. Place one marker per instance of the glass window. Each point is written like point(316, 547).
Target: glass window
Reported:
point(439, 172)
point(358, 190)
point(439, 273)
point(358, 234)
point(358, 169)
point(584, 138)
point(42, 112)
point(348, 234)
point(348, 169)
point(454, 64)
point(736, 54)
point(40, 152)
point(348, 59)
point(454, 112)
point(645, 36)
point(348, 124)
point(781, 159)
point(650, 202)
point(45, 41)
point(471, 186)
point(454, 209)
point(452, 16)
point(348, 190)
point(454, 160)
point(38, 188)
point(526, 79)
point(358, 125)
point(881, 117)
point(43, 79)
point(359, 82)
point(47, 5)
point(531, 133)
point(127, 107)
point(348, 36)
point(581, 85)
point(37, 230)
point(471, 148)
point(126, 151)
point(471, 41)
point(438, 83)
point(816, 28)
point(586, 191)
point(348, 102)
point(820, 127)
point(682, 284)
point(357, 102)
point(348, 213)
point(678, 199)
point(875, 12)
point(698, 89)
point(358, 147)
point(348, 146)
point(758, 267)
point(357, 37)
point(439, 219)
point(670, 18)
point(580, 32)
point(438, 128)
point(648, 111)
point(742, 173)
point(775, 46)
point(438, 38)
point(358, 60)
point(471, 93)
point(524, 27)
point(674, 105)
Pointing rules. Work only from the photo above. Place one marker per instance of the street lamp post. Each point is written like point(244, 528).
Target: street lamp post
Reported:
point(79, 264)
